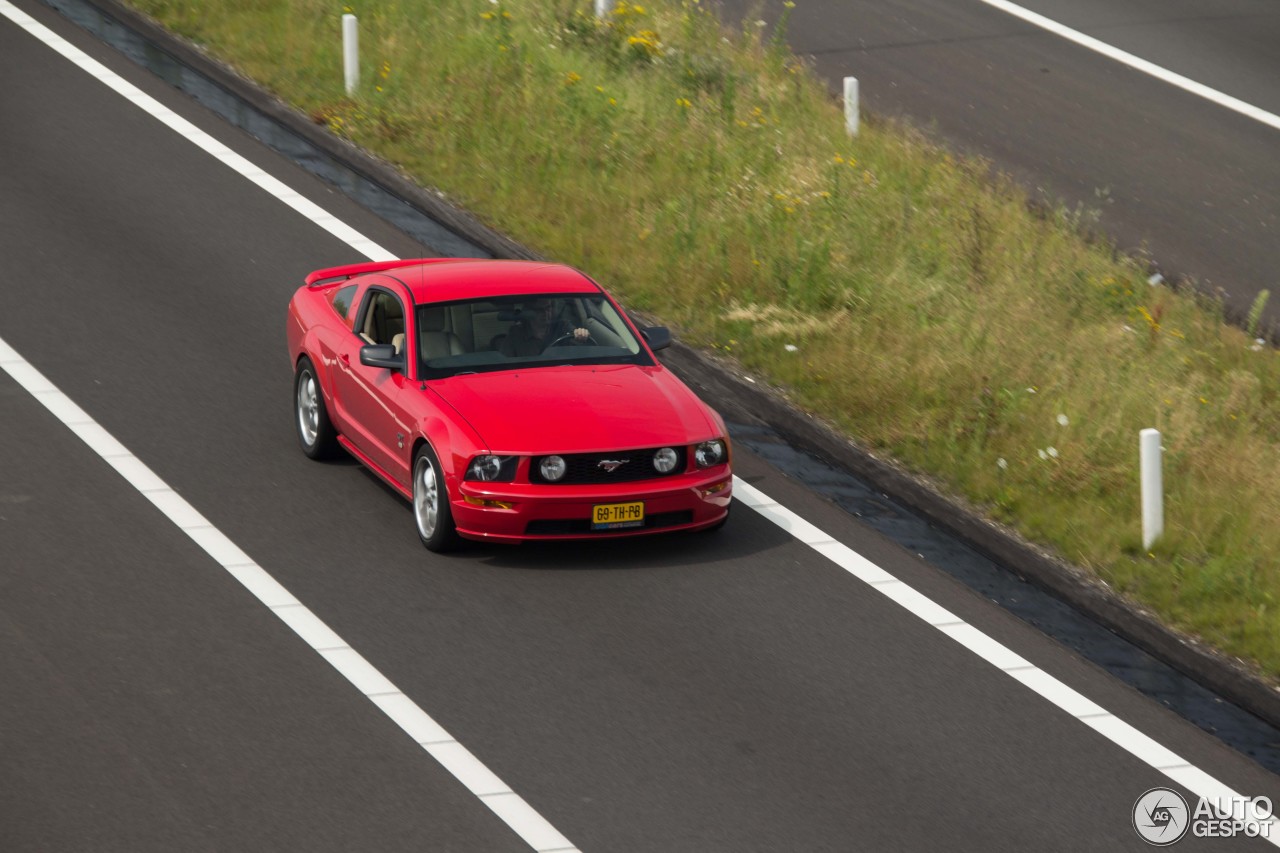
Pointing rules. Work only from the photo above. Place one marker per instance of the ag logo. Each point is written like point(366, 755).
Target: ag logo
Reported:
point(1161, 817)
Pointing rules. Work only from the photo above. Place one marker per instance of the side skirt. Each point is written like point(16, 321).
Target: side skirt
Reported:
point(369, 463)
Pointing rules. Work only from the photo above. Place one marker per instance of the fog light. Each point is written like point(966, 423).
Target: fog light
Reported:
point(552, 468)
point(665, 460)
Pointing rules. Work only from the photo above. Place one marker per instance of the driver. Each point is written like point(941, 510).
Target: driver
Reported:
point(537, 329)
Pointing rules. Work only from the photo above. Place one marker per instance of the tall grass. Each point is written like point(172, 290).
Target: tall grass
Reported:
point(906, 295)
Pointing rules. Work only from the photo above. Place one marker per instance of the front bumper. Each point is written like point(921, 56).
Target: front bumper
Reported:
point(523, 512)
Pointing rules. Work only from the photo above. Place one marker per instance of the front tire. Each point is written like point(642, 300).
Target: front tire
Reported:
point(431, 514)
point(316, 435)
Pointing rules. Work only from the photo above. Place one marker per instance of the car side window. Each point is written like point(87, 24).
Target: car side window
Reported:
point(383, 319)
point(342, 300)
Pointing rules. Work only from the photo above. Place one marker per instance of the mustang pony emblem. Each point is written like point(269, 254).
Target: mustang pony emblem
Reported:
point(611, 465)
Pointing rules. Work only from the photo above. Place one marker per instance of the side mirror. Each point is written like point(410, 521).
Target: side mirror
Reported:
point(381, 355)
point(658, 337)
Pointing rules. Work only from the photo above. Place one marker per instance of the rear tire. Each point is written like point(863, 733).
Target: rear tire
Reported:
point(431, 514)
point(316, 435)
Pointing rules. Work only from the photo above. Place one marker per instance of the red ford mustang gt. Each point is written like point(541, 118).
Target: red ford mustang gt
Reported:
point(507, 400)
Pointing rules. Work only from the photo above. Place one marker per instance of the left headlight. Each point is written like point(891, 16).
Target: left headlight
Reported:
point(492, 468)
point(710, 453)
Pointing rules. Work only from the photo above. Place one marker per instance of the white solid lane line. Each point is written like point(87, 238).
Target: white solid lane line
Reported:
point(999, 655)
point(453, 756)
point(511, 808)
point(531, 826)
point(1136, 62)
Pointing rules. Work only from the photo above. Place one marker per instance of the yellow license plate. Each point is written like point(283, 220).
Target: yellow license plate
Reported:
point(617, 516)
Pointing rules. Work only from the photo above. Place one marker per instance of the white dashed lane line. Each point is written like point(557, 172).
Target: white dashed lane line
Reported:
point(452, 755)
point(1137, 63)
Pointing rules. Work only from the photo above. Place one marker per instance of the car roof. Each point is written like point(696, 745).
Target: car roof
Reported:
point(448, 281)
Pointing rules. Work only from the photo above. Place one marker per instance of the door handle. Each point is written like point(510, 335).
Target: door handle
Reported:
point(346, 359)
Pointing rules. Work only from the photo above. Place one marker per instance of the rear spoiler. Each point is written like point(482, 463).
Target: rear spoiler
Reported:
point(333, 274)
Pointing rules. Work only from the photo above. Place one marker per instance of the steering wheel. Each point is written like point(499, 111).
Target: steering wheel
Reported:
point(569, 337)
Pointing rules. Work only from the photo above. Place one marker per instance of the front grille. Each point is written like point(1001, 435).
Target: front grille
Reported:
point(579, 526)
point(584, 468)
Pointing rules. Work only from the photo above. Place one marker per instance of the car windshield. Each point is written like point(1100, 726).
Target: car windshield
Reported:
point(505, 333)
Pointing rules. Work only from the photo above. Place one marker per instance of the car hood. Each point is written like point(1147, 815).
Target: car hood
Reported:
point(578, 409)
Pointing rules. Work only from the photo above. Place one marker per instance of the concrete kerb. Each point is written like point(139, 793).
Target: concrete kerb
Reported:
point(755, 402)
point(747, 401)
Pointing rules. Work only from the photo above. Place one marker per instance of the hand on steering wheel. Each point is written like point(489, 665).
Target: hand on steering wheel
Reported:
point(577, 336)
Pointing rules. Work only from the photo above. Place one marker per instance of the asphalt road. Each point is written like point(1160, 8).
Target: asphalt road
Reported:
point(1188, 183)
point(735, 692)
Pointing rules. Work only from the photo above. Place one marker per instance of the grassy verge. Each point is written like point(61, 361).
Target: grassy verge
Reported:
point(908, 296)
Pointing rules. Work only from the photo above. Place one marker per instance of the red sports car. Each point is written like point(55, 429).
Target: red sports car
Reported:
point(507, 400)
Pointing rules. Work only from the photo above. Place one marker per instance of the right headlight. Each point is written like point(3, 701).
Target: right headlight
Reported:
point(710, 453)
point(490, 468)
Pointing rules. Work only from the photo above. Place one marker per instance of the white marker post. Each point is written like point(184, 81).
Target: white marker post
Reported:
point(1152, 487)
point(350, 53)
point(851, 105)
point(603, 8)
